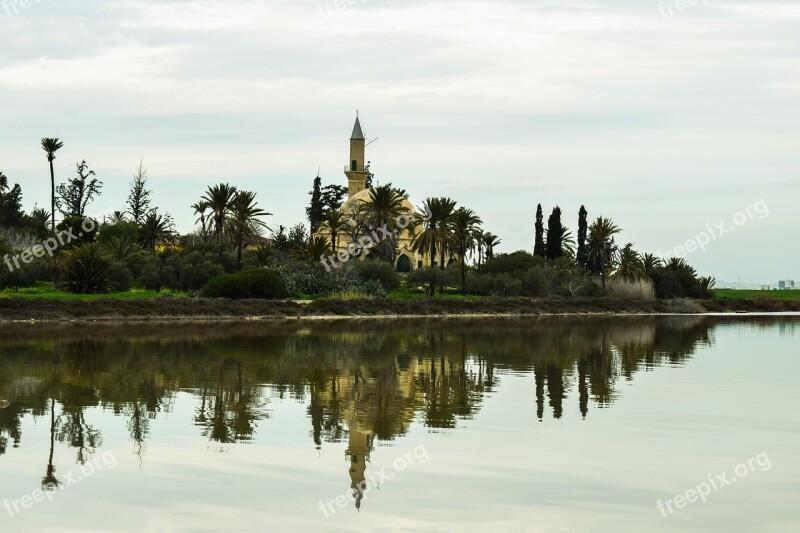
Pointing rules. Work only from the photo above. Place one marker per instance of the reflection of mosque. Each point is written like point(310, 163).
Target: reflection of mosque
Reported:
point(377, 401)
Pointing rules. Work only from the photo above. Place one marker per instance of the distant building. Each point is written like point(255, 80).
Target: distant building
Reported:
point(786, 284)
point(765, 287)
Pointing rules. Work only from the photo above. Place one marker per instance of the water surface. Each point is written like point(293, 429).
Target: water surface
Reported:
point(553, 424)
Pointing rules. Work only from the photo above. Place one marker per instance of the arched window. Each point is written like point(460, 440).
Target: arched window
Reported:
point(354, 165)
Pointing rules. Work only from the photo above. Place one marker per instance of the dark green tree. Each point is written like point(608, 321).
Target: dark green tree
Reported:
point(538, 248)
point(583, 229)
point(555, 233)
point(139, 198)
point(332, 197)
point(11, 214)
point(75, 195)
point(316, 211)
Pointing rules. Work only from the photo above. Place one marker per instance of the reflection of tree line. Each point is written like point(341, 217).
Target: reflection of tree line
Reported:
point(373, 377)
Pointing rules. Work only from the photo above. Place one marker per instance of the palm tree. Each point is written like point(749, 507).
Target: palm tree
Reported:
point(479, 245)
point(316, 247)
point(259, 256)
point(601, 246)
point(631, 265)
point(244, 220)
point(335, 222)
point(464, 223)
point(490, 240)
point(384, 206)
point(156, 229)
point(3, 183)
point(51, 146)
point(650, 263)
point(123, 250)
point(218, 199)
point(567, 242)
point(200, 209)
point(429, 239)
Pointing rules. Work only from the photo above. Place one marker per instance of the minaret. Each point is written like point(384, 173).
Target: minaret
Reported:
point(356, 172)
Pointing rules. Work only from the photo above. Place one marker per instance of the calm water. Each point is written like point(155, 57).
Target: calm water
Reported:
point(558, 424)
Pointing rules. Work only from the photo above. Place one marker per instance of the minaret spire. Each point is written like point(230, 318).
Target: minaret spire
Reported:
point(356, 172)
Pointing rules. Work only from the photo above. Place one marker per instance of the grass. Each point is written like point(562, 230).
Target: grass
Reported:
point(47, 290)
point(734, 294)
point(405, 294)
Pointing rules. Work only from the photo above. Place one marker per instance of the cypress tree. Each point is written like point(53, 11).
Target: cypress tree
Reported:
point(538, 249)
point(583, 253)
point(554, 234)
point(316, 211)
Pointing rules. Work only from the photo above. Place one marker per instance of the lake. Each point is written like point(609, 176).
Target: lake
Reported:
point(552, 424)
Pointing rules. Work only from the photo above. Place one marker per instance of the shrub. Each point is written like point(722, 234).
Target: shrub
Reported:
point(494, 285)
point(632, 289)
point(249, 284)
point(193, 270)
point(541, 281)
point(517, 262)
point(85, 269)
point(450, 277)
point(380, 271)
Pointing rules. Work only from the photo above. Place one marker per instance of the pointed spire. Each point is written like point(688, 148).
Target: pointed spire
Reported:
point(358, 135)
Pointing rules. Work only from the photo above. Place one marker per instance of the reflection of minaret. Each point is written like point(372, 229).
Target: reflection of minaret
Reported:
point(538, 374)
point(358, 449)
point(583, 390)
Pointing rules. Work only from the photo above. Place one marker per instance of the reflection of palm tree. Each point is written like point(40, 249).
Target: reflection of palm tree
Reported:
point(50, 481)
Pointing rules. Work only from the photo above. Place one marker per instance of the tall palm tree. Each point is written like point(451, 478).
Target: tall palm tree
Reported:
point(430, 239)
point(601, 246)
point(479, 245)
point(384, 206)
point(464, 223)
point(245, 220)
point(51, 146)
point(200, 209)
point(490, 240)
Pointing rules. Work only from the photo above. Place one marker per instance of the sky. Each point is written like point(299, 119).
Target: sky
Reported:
point(679, 120)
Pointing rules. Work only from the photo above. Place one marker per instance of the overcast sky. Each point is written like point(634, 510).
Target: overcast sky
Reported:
point(665, 120)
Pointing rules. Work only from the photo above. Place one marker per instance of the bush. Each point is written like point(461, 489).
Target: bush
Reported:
point(493, 285)
point(249, 284)
point(380, 271)
point(632, 289)
point(193, 270)
point(450, 277)
point(86, 269)
point(515, 263)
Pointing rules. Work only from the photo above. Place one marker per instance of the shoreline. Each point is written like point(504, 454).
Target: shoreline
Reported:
point(22, 310)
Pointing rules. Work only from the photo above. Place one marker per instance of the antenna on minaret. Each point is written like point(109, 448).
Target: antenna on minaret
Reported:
point(372, 141)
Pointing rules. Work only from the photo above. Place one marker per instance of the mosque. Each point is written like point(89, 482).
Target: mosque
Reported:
point(357, 172)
